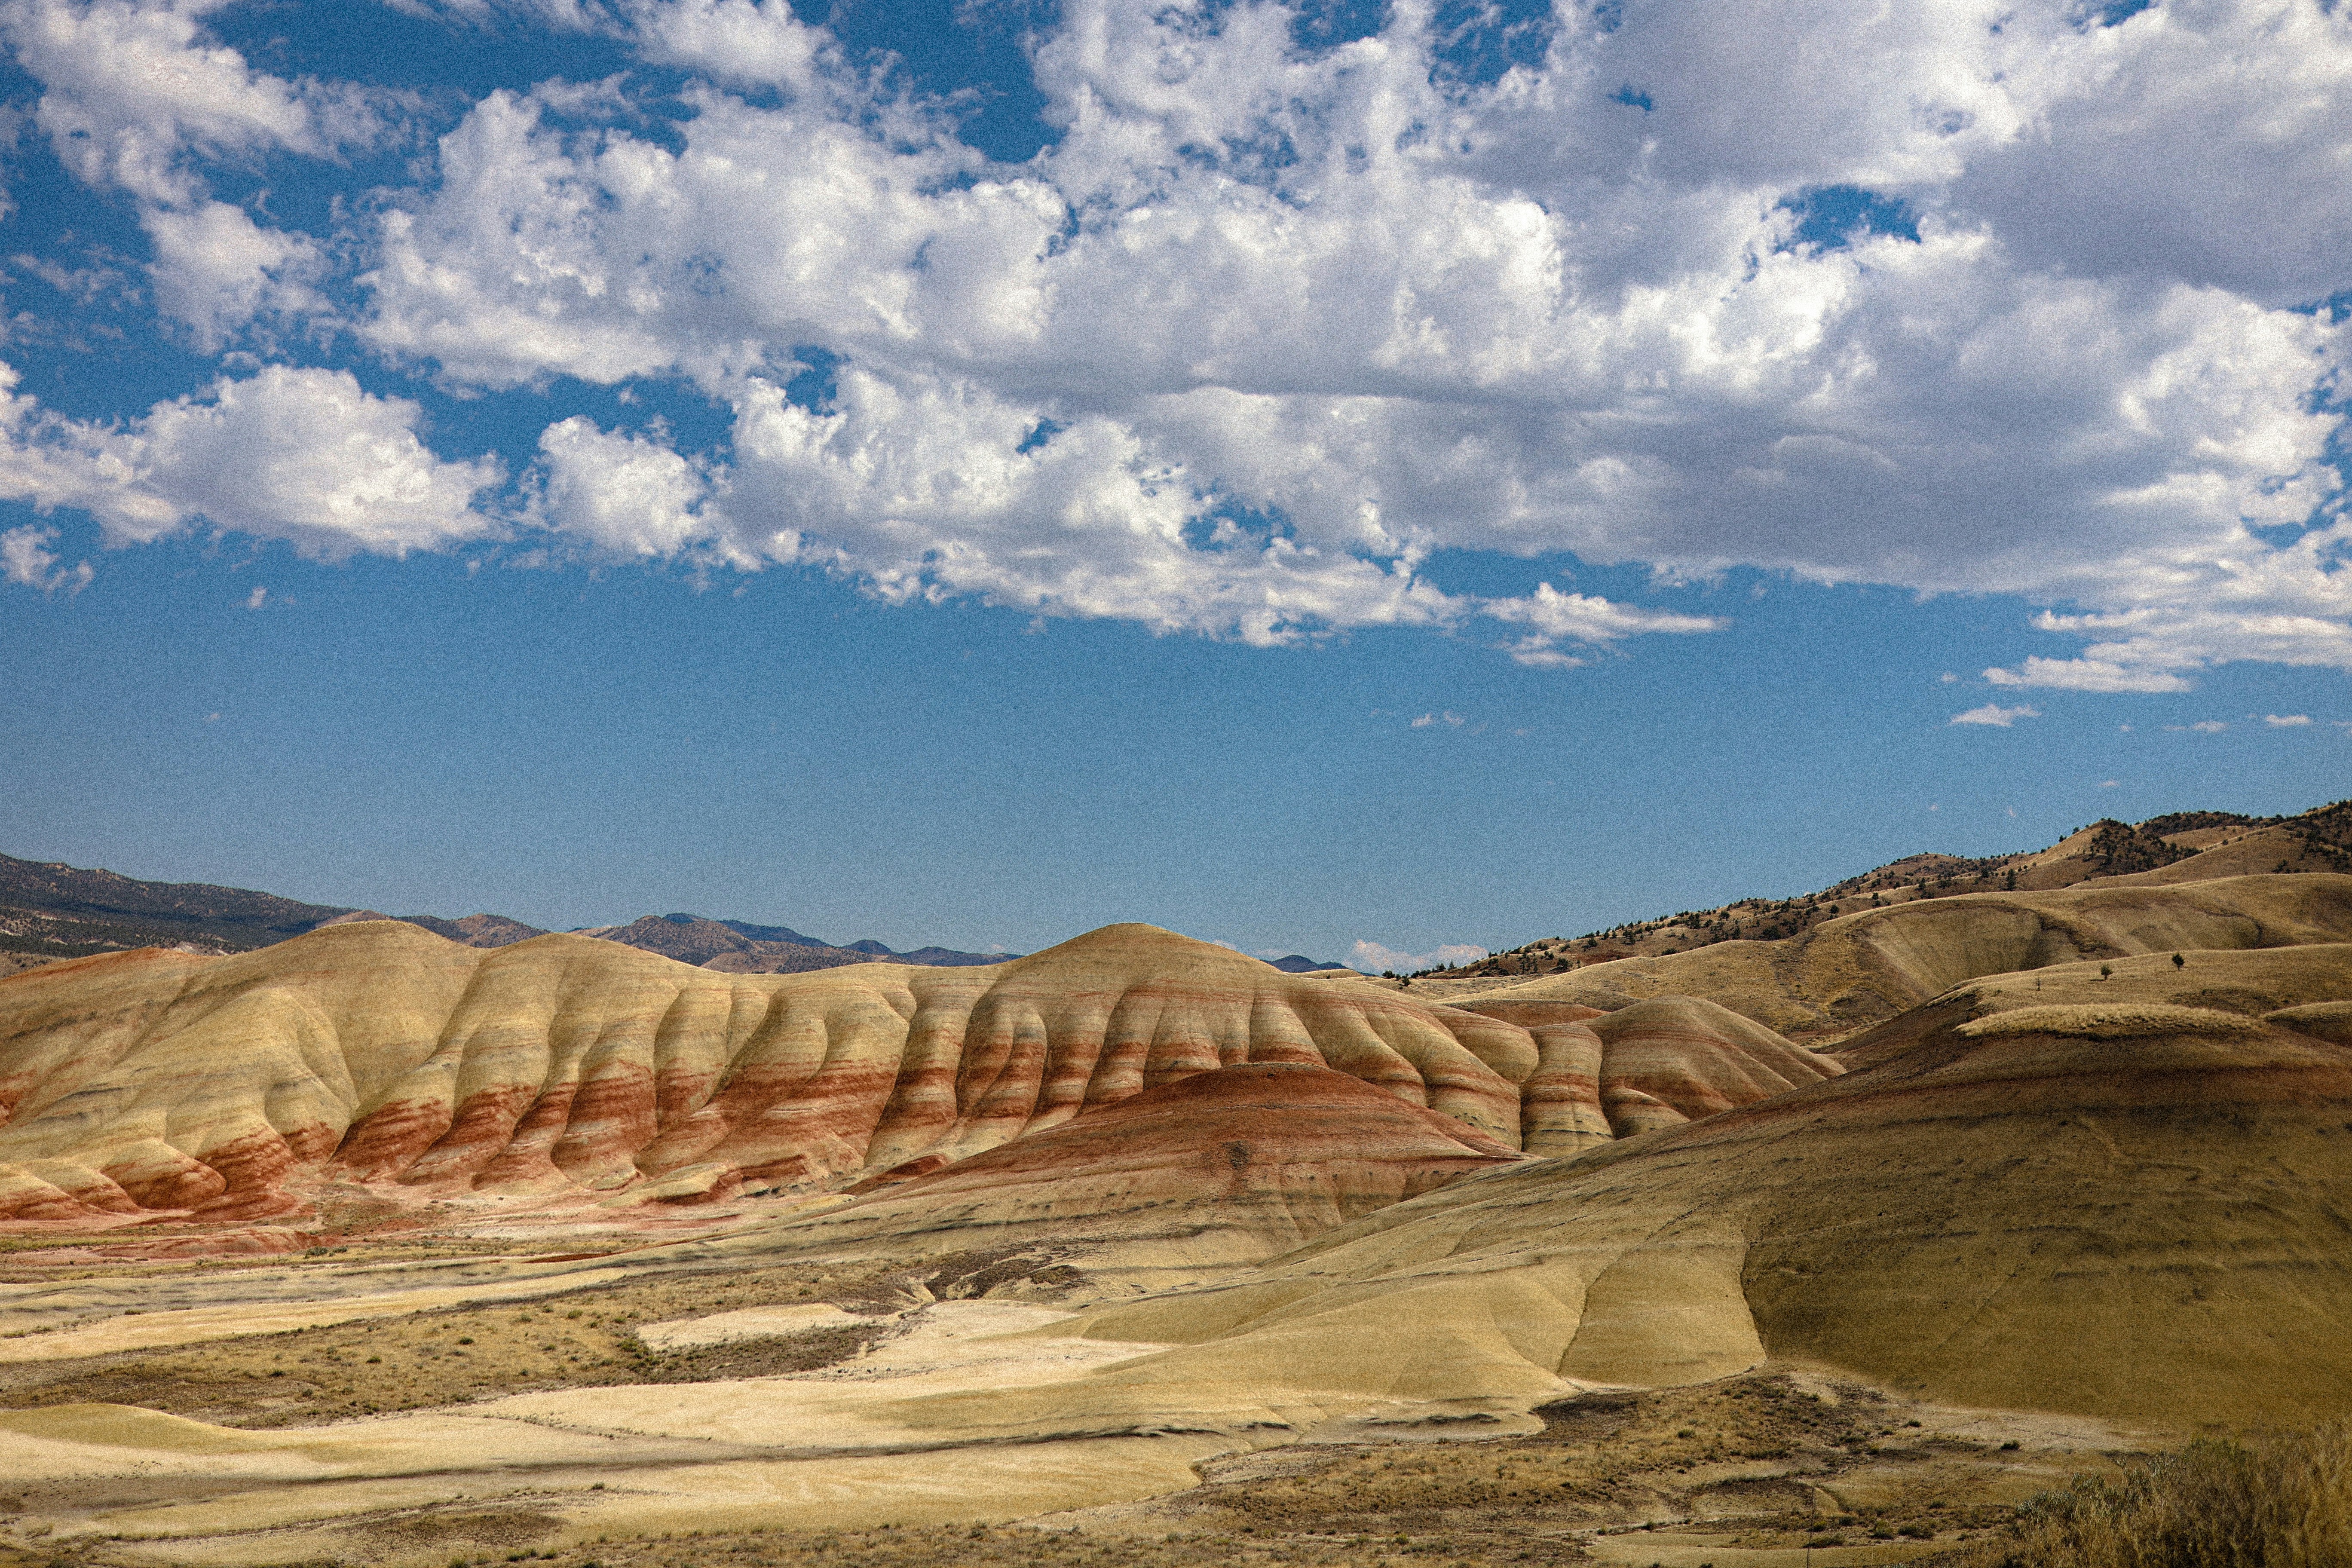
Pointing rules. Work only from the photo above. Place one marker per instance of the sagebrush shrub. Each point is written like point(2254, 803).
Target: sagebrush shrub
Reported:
point(2277, 1501)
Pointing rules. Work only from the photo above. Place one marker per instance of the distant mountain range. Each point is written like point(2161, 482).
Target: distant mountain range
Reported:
point(50, 910)
point(59, 912)
point(743, 948)
point(1297, 964)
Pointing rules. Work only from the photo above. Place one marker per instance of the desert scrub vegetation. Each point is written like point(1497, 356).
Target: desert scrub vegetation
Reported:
point(1600, 1456)
point(1018, 1546)
point(1735, 1464)
point(941, 1546)
point(2276, 1500)
point(452, 1355)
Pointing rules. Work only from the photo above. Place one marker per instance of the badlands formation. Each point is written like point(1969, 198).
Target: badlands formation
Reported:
point(375, 1247)
point(374, 1061)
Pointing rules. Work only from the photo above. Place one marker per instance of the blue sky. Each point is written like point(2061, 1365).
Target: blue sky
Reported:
point(1312, 475)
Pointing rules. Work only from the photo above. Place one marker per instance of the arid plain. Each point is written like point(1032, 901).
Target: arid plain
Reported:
point(1821, 1230)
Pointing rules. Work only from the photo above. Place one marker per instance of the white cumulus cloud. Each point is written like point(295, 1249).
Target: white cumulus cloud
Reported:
point(756, 43)
point(137, 96)
point(26, 560)
point(2087, 675)
point(1564, 324)
point(217, 270)
point(1994, 714)
point(623, 493)
point(1557, 618)
point(305, 456)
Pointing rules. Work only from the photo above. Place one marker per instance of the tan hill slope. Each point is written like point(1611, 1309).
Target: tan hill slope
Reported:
point(1857, 969)
point(2181, 847)
point(1657, 1063)
point(1233, 1165)
point(375, 1055)
point(2053, 1191)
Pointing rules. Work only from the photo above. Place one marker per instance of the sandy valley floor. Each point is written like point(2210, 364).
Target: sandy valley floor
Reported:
point(659, 1412)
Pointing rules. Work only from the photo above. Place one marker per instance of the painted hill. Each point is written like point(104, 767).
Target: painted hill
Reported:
point(375, 1055)
point(1231, 1165)
point(2041, 1205)
point(2075, 1174)
point(472, 931)
point(1601, 1075)
point(2121, 1197)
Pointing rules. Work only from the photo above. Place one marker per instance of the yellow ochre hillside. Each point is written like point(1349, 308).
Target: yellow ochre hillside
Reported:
point(554, 1247)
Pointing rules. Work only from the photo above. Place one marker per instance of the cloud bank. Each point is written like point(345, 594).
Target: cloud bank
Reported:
point(1970, 297)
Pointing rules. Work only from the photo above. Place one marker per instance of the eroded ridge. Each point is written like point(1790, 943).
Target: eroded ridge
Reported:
point(379, 1055)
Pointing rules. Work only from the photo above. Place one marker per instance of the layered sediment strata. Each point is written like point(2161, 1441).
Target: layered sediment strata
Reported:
point(379, 1053)
point(1230, 1165)
point(1659, 1063)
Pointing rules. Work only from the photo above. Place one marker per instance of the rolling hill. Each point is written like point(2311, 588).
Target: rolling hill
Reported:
point(2122, 1195)
point(1848, 971)
point(2167, 850)
point(378, 1245)
point(374, 1053)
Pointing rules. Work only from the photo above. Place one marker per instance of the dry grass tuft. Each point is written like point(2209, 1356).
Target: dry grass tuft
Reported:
point(2129, 1021)
point(2281, 1501)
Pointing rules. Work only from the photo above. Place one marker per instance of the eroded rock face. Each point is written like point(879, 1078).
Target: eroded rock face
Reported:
point(377, 1053)
point(1233, 1163)
point(1602, 1076)
point(1673, 1059)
